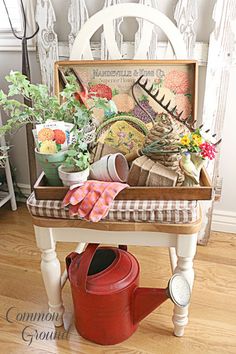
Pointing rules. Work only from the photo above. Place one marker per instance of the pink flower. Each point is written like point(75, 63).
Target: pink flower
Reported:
point(121, 134)
point(183, 105)
point(177, 81)
point(208, 150)
point(130, 145)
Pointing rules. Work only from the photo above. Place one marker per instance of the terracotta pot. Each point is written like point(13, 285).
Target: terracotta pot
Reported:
point(70, 178)
point(110, 168)
point(50, 164)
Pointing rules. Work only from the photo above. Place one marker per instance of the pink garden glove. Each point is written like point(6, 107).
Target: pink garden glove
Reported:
point(92, 201)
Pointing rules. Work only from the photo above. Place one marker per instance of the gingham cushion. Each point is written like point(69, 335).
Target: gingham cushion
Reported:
point(174, 212)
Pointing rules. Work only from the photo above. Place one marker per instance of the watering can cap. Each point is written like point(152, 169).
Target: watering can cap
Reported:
point(179, 290)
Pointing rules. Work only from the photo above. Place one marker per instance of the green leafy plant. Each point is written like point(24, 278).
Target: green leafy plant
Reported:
point(44, 107)
point(77, 157)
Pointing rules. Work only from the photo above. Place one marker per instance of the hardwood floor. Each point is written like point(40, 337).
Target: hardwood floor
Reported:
point(212, 326)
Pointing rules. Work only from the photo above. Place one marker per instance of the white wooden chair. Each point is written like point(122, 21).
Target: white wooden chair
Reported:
point(181, 239)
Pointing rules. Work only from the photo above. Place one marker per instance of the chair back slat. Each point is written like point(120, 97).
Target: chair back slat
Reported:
point(185, 15)
point(77, 16)
point(152, 52)
point(47, 41)
point(114, 28)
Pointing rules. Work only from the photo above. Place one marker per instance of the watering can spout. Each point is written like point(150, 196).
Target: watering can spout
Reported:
point(148, 299)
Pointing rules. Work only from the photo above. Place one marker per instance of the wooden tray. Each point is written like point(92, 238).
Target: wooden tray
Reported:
point(202, 192)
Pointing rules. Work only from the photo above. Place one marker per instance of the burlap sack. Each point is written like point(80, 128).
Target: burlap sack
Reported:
point(145, 169)
point(161, 176)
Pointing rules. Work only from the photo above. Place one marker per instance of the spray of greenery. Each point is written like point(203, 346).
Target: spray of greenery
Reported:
point(46, 107)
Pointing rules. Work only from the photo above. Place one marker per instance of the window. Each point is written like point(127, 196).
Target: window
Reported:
point(14, 10)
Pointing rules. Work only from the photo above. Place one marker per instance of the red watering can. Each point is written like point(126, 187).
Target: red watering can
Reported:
point(107, 298)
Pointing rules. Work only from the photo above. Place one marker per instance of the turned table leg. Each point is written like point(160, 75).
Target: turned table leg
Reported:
point(51, 273)
point(185, 251)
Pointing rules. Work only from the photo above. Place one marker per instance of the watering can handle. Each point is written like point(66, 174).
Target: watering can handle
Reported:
point(85, 262)
point(69, 259)
point(84, 265)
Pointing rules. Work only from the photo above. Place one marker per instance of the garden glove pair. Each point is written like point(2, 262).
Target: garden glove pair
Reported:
point(93, 199)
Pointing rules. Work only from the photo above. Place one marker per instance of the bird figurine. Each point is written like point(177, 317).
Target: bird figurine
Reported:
point(191, 164)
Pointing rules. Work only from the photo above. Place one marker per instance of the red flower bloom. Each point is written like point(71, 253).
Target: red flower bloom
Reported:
point(208, 150)
point(59, 136)
point(100, 90)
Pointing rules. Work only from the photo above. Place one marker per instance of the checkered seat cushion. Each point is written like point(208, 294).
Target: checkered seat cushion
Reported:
point(171, 212)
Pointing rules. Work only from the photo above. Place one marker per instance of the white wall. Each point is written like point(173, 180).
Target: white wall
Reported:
point(226, 209)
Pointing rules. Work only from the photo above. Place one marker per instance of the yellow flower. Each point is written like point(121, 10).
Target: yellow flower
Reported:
point(197, 139)
point(185, 140)
point(48, 147)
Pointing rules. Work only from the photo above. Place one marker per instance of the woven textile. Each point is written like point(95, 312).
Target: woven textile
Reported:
point(173, 212)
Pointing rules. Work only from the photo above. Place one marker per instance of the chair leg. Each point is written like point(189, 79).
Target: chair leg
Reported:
point(10, 186)
point(185, 251)
point(51, 273)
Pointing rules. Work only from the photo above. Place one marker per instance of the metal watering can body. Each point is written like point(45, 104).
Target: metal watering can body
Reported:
point(107, 299)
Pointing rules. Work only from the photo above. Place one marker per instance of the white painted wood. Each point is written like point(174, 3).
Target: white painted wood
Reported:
point(185, 250)
point(111, 32)
point(185, 15)
point(47, 41)
point(81, 47)
point(51, 273)
point(146, 38)
point(10, 185)
point(127, 51)
point(221, 49)
point(77, 16)
point(5, 197)
point(44, 237)
point(173, 258)
point(121, 237)
point(111, 49)
point(180, 320)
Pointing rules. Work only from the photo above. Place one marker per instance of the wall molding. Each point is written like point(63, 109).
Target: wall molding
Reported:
point(8, 43)
point(224, 221)
point(25, 188)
